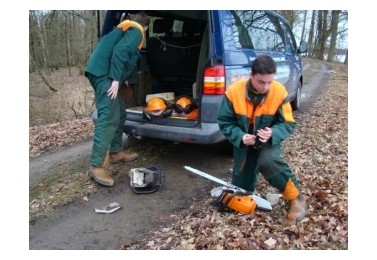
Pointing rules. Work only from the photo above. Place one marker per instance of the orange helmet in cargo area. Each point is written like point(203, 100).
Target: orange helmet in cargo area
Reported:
point(156, 106)
point(184, 105)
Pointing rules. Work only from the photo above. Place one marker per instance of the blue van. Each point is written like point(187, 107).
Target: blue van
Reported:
point(192, 56)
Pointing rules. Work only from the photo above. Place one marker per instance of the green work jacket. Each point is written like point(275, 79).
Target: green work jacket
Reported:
point(237, 116)
point(116, 54)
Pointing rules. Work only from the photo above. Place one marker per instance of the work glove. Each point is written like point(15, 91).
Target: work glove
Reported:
point(113, 90)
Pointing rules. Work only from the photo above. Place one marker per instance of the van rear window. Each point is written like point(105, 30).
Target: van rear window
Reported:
point(259, 30)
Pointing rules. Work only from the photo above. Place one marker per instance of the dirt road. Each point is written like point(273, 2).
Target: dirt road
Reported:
point(77, 226)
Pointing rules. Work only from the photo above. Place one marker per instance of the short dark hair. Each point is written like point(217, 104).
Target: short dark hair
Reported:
point(142, 19)
point(263, 64)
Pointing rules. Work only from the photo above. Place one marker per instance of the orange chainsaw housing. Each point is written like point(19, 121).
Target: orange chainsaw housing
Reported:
point(237, 201)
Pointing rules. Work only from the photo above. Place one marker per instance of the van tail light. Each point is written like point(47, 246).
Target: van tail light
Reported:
point(214, 80)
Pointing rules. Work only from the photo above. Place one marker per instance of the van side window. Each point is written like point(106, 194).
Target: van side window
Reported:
point(290, 40)
point(257, 30)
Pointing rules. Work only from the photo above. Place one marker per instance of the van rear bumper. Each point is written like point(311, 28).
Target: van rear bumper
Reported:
point(208, 133)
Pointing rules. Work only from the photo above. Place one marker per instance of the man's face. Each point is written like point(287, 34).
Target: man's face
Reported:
point(262, 83)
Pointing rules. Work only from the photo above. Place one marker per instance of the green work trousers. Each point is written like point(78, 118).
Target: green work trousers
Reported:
point(269, 162)
point(111, 117)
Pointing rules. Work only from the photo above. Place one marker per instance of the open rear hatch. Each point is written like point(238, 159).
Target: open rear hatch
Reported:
point(168, 69)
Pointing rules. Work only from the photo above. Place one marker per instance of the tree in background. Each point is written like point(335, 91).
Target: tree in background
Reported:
point(61, 38)
point(333, 34)
point(65, 38)
point(326, 35)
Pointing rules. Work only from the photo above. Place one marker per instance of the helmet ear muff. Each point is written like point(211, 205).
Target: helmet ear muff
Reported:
point(188, 109)
point(178, 109)
point(168, 111)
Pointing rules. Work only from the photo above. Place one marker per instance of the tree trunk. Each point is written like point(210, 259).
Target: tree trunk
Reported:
point(68, 46)
point(323, 36)
point(319, 32)
point(311, 35)
point(39, 45)
point(304, 25)
point(346, 59)
point(319, 49)
point(35, 41)
point(334, 34)
point(32, 55)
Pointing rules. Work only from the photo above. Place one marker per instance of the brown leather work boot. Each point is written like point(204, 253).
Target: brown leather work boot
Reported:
point(123, 156)
point(297, 208)
point(101, 176)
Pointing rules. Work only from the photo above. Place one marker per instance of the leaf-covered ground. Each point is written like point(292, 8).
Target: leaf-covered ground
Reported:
point(48, 137)
point(318, 154)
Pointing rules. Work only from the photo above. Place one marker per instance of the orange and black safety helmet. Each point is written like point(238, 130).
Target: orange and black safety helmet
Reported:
point(184, 104)
point(156, 106)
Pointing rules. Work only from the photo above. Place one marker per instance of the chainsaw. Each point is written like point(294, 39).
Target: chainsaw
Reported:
point(235, 197)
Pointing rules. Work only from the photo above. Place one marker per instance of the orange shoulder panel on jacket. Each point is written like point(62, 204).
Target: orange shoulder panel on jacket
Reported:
point(236, 94)
point(127, 24)
point(275, 97)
